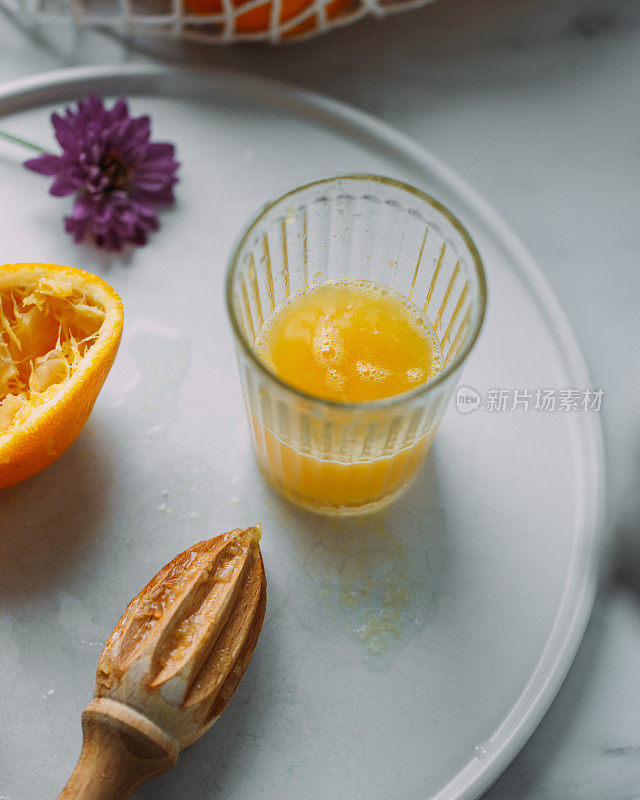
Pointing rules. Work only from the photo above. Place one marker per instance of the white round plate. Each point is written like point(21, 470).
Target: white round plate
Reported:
point(406, 655)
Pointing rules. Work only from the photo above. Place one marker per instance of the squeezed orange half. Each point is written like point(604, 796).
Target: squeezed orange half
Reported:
point(349, 342)
point(60, 329)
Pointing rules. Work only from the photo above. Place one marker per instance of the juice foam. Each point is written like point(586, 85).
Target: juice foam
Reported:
point(351, 341)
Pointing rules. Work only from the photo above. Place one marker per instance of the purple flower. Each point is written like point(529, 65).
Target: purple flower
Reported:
point(117, 174)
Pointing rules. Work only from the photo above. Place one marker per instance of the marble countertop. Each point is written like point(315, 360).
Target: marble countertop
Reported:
point(536, 104)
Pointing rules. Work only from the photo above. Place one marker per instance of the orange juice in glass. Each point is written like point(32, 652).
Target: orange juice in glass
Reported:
point(354, 302)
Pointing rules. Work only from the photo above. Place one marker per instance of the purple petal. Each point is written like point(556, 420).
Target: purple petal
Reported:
point(77, 228)
point(161, 150)
point(82, 208)
point(103, 215)
point(46, 164)
point(67, 140)
point(63, 186)
point(120, 110)
point(93, 106)
point(142, 209)
point(59, 123)
point(165, 197)
point(151, 184)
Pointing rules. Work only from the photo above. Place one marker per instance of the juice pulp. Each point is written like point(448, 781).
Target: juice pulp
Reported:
point(347, 341)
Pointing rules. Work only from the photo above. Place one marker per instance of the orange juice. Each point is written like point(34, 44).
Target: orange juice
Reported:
point(350, 342)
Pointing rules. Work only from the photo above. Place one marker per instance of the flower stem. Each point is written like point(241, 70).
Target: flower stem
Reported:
point(23, 142)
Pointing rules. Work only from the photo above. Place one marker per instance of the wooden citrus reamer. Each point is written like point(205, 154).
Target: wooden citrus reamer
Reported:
point(171, 665)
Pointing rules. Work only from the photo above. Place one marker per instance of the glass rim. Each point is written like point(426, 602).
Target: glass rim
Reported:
point(384, 402)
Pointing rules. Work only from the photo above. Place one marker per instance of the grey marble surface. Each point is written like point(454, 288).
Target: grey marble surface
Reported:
point(536, 104)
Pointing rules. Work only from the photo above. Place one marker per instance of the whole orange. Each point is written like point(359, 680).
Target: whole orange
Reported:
point(60, 329)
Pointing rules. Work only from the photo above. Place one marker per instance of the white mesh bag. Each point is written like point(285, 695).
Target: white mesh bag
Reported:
point(209, 20)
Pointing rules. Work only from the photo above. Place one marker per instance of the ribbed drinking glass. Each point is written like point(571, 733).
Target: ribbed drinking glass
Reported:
point(332, 456)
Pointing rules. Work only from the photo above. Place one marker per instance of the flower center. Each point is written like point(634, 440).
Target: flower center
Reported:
point(115, 169)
